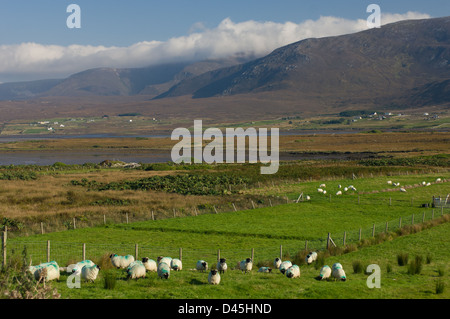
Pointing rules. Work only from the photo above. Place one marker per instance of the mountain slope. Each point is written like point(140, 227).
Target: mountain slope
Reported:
point(381, 64)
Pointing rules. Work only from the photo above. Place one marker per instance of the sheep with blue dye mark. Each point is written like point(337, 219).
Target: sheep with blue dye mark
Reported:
point(90, 273)
point(311, 257)
point(325, 273)
point(284, 266)
point(163, 271)
point(293, 271)
point(79, 266)
point(121, 262)
point(222, 265)
point(246, 265)
point(176, 264)
point(277, 263)
point(149, 264)
point(201, 265)
point(136, 270)
point(214, 277)
point(162, 259)
point(338, 272)
point(265, 269)
point(45, 271)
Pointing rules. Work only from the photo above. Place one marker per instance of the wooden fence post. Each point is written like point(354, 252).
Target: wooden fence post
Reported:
point(215, 209)
point(360, 234)
point(423, 217)
point(136, 251)
point(4, 237)
point(104, 219)
point(175, 215)
point(48, 251)
point(42, 228)
point(234, 207)
point(345, 237)
point(218, 255)
point(153, 215)
point(253, 204)
point(390, 201)
point(84, 252)
point(270, 202)
point(181, 254)
point(127, 217)
point(74, 224)
point(253, 253)
point(373, 230)
point(400, 222)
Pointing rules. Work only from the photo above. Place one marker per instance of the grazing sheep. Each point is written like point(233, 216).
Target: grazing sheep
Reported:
point(322, 185)
point(320, 190)
point(214, 277)
point(149, 264)
point(423, 183)
point(50, 270)
point(438, 180)
point(396, 184)
point(163, 271)
point(428, 184)
point(79, 266)
point(345, 189)
point(403, 190)
point(389, 182)
point(222, 265)
point(265, 269)
point(324, 192)
point(246, 265)
point(338, 193)
point(277, 263)
point(136, 270)
point(202, 265)
point(308, 197)
point(325, 273)
point(338, 272)
point(90, 273)
point(339, 186)
point(284, 266)
point(311, 257)
point(121, 262)
point(162, 259)
point(176, 264)
point(293, 271)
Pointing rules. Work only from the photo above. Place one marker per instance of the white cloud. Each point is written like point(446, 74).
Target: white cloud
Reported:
point(251, 37)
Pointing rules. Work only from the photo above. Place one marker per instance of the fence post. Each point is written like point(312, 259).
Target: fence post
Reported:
point(387, 227)
point(84, 251)
point(218, 255)
point(253, 253)
point(423, 217)
point(4, 237)
point(270, 202)
point(234, 207)
point(104, 219)
point(174, 213)
point(42, 228)
point(216, 209)
point(48, 251)
point(181, 254)
point(253, 204)
point(345, 237)
point(153, 216)
point(136, 251)
point(360, 234)
point(390, 201)
point(127, 217)
point(373, 230)
point(412, 220)
point(400, 222)
point(74, 224)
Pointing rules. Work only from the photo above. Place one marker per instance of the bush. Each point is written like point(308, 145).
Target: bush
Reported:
point(357, 267)
point(110, 280)
point(415, 266)
point(402, 259)
point(440, 287)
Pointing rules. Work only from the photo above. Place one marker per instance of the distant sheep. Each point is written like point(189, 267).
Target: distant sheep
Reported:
point(176, 264)
point(293, 271)
point(163, 271)
point(438, 180)
point(121, 262)
point(325, 273)
point(338, 193)
point(284, 266)
point(403, 190)
point(149, 264)
point(320, 190)
point(265, 269)
point(136, 270)
point(222, 265)
point(277, 263)
point(90, 273)
point(214, 277)
point(201, 265)
point(311, 257)
point(389, 182)
point(338, 272)
point(246, 265)
point(322, 186)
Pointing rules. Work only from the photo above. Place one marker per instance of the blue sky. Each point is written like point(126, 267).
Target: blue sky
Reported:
point(36, 43)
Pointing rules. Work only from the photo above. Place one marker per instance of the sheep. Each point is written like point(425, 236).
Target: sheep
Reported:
point(222, 265)
point(339, 186)
point(345, 189)
point(338, 193)
point(293, 271)
point(163, 271)
point(438, 180)
point(214, 277)
point(265, 269)
point(149, 264)
point(322, 186)
point(121, 262)
point(246, 265)
point(403, 190)
point(423, 183)
point(176, 264)
point(325, 273)
point(396, 184)
point(162, 259)
point(320, 190)
point(284, 266)
point(90, 273)
point(389, 182)
point(308, 197)
point(311, 257)
point(324, 192)
point(277, 263)
point(47, 271)
point(338, 272)
point(136, 270)
point(79, 266)
point(428, 184)
point(202, 265)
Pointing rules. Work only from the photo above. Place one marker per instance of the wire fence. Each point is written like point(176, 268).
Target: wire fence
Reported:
point(65, 253)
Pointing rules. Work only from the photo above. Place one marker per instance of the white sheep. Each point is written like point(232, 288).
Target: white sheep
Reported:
point(338, 193)
point(311, 257)
point(222, 265)
point(325, 273)
point(79, 266)
point(136, 270)
point(324, 192)
point(163, 270)
point(338, 272)
point(162, 259)
point(214, 277)
point(389, 182)
point(246, 265)
point(265, 269)
point(90, 273)
point(320, 190)
point(176, 264)
point(293, 271)
point(322, 186)
point(202, 265)
point(284, 266)
point(277, 263)
point(345, 189)
point(121, 262)
point(149, 264)
point(396, 184)
point(403, 190)
point(339, 186)
point(423, 183)
point(438, 180)
point(308, 197)
point(428, 184)
point(51, 269)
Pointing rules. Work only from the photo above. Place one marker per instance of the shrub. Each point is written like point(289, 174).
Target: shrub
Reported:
point(429, 258)
point(388, 268)
point(402, 259)
point(415, 266)
point(440, 287)
point(110, 280)
point(357, 267)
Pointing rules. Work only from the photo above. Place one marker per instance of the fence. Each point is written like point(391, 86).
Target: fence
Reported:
point(66, 253)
